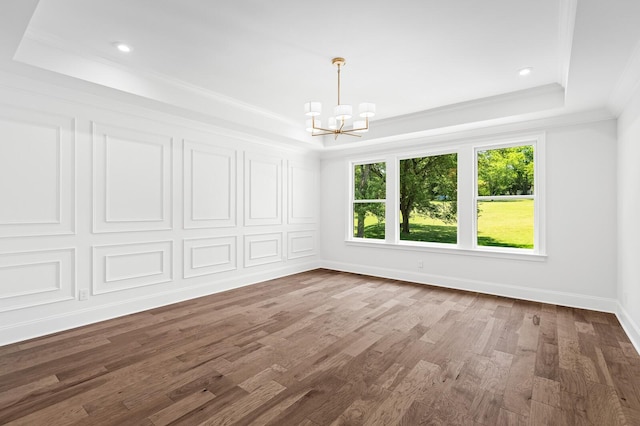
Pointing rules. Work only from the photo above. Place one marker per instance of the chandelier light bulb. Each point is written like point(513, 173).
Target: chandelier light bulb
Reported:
point(343, 112)
point(367, 109)
point(311, 123)
point(333, 123)
point(313, 109)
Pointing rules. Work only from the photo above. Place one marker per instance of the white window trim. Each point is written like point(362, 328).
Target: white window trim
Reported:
point(396, 198)
point(467, 198)
point(352, 200)
point(538, 196)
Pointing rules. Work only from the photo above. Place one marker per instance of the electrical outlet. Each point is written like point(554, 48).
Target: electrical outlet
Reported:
point(420, 264)
point(83, 294)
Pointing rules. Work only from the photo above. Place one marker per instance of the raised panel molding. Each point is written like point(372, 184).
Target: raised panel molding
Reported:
point(262, 190)
point(131, 180)
point(205, 256)
point(209, 177)
point(301, 244)
point(36, 278)
point(37, 173)
point(260, 249)
point(302, 192)
point(124, 266)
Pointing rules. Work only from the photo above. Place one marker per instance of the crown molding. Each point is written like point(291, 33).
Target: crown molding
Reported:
point(628, 83)
point(476, 131)
point(51, 41)
point(35, 50)
point(566, 27)
point(492, 110)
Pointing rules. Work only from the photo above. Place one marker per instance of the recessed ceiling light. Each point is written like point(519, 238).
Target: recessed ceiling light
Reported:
point(123, 47)
point(525, 71)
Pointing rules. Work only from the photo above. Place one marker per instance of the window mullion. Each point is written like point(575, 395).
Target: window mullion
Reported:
point(393, 203)
point(466, 197)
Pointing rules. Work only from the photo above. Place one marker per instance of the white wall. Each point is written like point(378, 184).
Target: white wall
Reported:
point(114, 199)
point(137, 209)
point(580, 269)
point(628, 218)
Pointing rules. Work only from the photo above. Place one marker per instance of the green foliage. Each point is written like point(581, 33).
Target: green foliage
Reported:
point(506, 171)
point(370, 181)
point(424, 183)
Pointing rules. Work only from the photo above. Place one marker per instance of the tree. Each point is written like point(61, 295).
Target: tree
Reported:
point(506, 171)
point(428, 185)
point(369, 184)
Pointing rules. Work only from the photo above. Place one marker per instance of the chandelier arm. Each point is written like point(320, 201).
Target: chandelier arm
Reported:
point(328, 132)
point(322, 129)
point(349, 133)
point(366, 126)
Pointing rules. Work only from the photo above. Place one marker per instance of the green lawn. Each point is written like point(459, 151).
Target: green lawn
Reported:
point(506, 223)
point(503, 223)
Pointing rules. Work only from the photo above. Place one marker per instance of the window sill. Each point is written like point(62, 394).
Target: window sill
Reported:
point(492, 252)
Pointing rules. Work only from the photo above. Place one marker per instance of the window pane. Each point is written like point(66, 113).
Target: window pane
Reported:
point(506, 171)
point(506, 223)
point(368, 220)
point(428, 199)
point(369, 181)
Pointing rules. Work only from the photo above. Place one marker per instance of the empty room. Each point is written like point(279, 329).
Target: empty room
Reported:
point(354, 212)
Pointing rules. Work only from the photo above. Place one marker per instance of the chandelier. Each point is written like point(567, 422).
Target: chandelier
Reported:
point(341, 113)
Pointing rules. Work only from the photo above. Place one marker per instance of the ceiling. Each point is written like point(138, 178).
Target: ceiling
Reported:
point(257, 61)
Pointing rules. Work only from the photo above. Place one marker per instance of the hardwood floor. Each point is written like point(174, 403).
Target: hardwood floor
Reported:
point(323, 348)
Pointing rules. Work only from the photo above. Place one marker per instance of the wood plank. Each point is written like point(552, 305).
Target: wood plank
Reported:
point(324, 347)
point(421, 378)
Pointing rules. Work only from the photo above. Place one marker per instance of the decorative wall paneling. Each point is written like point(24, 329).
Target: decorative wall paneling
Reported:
point(209, 176)
point(301, 244)
point(261, 249)
point(35, 278)
point(302, 208)
point(102, 201)
point(263, 190)
point(124, 266)
point(131, 180)
point(37, 173)
point(205, 256)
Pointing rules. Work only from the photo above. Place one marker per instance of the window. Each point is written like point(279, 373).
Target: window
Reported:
point(505, 197)
point(429, 199)
point(369, 200)
point(483, 198)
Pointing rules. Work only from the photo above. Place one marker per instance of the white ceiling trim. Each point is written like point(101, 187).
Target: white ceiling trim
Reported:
point(451, 118)
point(36, 45)
point(567, 23)
point(628, 83)
point(542, 121)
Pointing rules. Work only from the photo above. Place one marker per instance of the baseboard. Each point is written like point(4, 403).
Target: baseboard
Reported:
point(630, 326)
point(42, 326)
point(573, 300)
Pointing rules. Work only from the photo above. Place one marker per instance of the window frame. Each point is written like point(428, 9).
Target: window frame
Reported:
point(353, 201)
point(466, 151)
point(422, 154)
point(535, 196)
